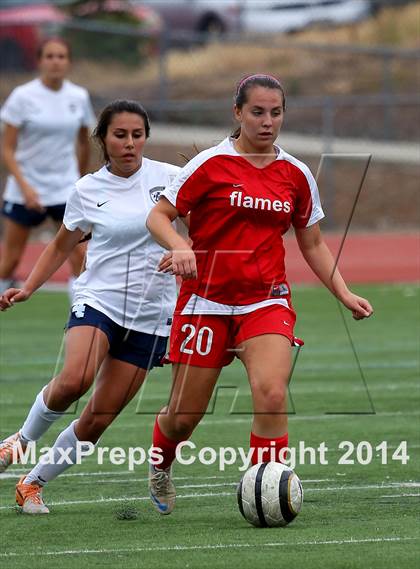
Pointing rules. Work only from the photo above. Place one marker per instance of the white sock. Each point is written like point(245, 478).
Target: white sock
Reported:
point(39, 419)
point(5, 284)
point(44, 472)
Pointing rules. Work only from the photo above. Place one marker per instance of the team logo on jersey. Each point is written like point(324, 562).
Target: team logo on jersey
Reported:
point(79, 310)
point(8, 207)
point(155, 193)
point(279, 289)
point(73, 107)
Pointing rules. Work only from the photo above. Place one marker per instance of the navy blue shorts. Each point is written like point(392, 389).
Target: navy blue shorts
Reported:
point(30, 217)
point(137, 348)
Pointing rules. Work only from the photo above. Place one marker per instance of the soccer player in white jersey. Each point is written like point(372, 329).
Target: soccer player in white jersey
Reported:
point(45, 149)
point(120, 319)
point(242, 196)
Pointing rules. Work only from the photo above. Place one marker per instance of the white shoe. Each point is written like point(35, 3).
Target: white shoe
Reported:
point(29, 497)
point(162, 489)
point(9, 450)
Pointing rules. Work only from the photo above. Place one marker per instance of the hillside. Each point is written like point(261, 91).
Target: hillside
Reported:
point(207, 72)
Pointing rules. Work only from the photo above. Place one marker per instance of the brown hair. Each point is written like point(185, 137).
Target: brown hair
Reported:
point(115, 108)
point(63, 42)
point(255, 80)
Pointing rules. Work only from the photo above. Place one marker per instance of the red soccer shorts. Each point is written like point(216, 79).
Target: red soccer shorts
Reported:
point(206, 340)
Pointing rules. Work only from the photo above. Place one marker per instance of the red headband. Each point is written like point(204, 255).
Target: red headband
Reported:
point(255, 76)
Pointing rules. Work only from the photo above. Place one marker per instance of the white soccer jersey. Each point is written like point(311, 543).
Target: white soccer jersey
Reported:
point(121, 278)
point(48, 123)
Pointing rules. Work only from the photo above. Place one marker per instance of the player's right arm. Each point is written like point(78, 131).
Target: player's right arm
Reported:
point(10, 138)
point(51, 259)
point(159, 223)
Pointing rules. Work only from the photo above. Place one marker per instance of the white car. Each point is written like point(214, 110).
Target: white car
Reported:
point(195, 16)
point(288, 16)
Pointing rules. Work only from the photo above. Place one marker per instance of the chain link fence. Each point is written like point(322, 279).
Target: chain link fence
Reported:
point(333, 90)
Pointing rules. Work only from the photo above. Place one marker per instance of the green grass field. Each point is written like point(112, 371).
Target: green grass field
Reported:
point(354, 515)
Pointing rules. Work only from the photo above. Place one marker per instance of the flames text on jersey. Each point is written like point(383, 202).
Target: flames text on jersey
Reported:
point(237, 199)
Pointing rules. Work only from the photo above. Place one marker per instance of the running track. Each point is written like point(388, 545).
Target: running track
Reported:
point(365, 258)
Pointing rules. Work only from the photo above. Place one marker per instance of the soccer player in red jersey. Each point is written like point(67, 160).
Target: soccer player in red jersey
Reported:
point(242, 196)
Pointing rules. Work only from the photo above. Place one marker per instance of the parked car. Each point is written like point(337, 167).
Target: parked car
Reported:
point(288, 16)
point(195, 16)
point(22, 27)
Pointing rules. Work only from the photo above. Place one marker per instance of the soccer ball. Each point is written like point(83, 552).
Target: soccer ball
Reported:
point(270, 495)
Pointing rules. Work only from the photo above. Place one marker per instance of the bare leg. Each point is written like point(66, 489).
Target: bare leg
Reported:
point(86, 348)
point(267, 359)
point(15, 237)
point(192, 389)
point(117, 383)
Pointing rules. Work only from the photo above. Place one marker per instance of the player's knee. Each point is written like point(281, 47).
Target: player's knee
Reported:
point(183, 425)
point(273, 399)
point(91, 426)
point(71, 386)
point(11, 261)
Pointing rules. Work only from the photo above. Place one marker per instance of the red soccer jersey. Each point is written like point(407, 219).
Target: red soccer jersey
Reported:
point(238, 214)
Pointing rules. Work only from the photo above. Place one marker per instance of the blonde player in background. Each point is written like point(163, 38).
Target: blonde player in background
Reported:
point(45, 149)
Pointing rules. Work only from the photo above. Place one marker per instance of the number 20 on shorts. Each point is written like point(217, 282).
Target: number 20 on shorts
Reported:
point(203, 342)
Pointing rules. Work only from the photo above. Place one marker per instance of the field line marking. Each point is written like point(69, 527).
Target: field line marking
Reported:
point(401, 496)
point(235, 481)
point(218, 494)
point(350, 541)
point(299, 417)
point(17, 473)
point(126, 499)
point(231, 419)
point(366, 487)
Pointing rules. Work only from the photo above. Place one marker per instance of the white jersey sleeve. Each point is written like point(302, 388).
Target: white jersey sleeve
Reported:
point(173, 171)
point(185, 189)
point(13, 110)
point(74, 215)
point(308, 210)
point(315, 208)
point(89, 118)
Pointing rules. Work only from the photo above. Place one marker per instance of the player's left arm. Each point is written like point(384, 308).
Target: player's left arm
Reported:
point(83, 150)
point(182, 260)
point(318, 256)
